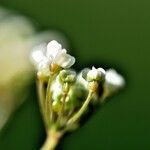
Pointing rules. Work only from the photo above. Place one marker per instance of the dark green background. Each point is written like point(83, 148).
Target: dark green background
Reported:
point(108, 33)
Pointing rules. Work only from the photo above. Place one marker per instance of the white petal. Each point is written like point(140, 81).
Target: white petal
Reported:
point(38, 54)
point(63, 51)
point(113, 78)
point(101, 70)
point(64, 60)
point(95, 74)
point(53, 49)
point(44, 64)
point(93, 68)
point(92, 73)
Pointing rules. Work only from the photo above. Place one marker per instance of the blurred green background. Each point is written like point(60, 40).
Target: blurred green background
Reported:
point(102, 32)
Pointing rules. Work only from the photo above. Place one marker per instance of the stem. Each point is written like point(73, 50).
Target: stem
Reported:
point(52, 140)
point(63, 105)
point(77, 116)
point(48, 101)
point(41, 94)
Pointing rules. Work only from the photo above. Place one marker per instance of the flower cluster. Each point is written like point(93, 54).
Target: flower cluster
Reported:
point(64, 95)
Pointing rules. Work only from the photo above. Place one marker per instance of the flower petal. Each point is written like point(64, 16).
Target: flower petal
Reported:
point(95, 74)
point(38, 54)
point(114, 79)
point(101, 70)
point(64, 60)
point(53, 49)
point(43, 64)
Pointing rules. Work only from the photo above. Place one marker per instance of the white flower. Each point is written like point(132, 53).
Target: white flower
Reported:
point(51, 54)
point(58, 55)
point(95, 74)
point(113, 80)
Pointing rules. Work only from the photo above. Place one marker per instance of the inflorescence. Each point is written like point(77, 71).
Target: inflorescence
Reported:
point(64, 94)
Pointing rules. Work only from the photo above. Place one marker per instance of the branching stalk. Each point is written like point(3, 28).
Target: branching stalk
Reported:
point(77, 115)
point(52, 140)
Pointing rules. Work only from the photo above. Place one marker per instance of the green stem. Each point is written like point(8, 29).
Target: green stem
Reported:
point(77, 115)
point(63, 104)
point(41, 94)
point(48, 101)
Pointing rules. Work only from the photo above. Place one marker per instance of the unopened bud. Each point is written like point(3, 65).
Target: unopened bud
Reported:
point(95, 74)
point(67, 76)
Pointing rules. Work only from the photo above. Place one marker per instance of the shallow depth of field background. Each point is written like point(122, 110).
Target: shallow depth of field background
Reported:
point(105, 33)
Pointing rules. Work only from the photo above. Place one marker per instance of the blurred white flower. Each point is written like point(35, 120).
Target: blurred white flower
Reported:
point(51, 54)
point(113, 82)
point(114, 79)
point(95, 74)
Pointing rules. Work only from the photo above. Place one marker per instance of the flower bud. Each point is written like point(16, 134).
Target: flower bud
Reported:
point(93, 74)
point(67, 76)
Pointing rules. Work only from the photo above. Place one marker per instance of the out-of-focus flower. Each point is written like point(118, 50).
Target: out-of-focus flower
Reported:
point(113, 81)
point(18, 36)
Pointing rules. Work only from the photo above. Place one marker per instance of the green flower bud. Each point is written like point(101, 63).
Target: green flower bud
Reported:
point(67, 76)
point(56, 106)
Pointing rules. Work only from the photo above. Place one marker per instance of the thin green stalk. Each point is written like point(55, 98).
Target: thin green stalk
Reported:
point(41, 94)
point(63, 104)
point(77, 115)
point(48, 101)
